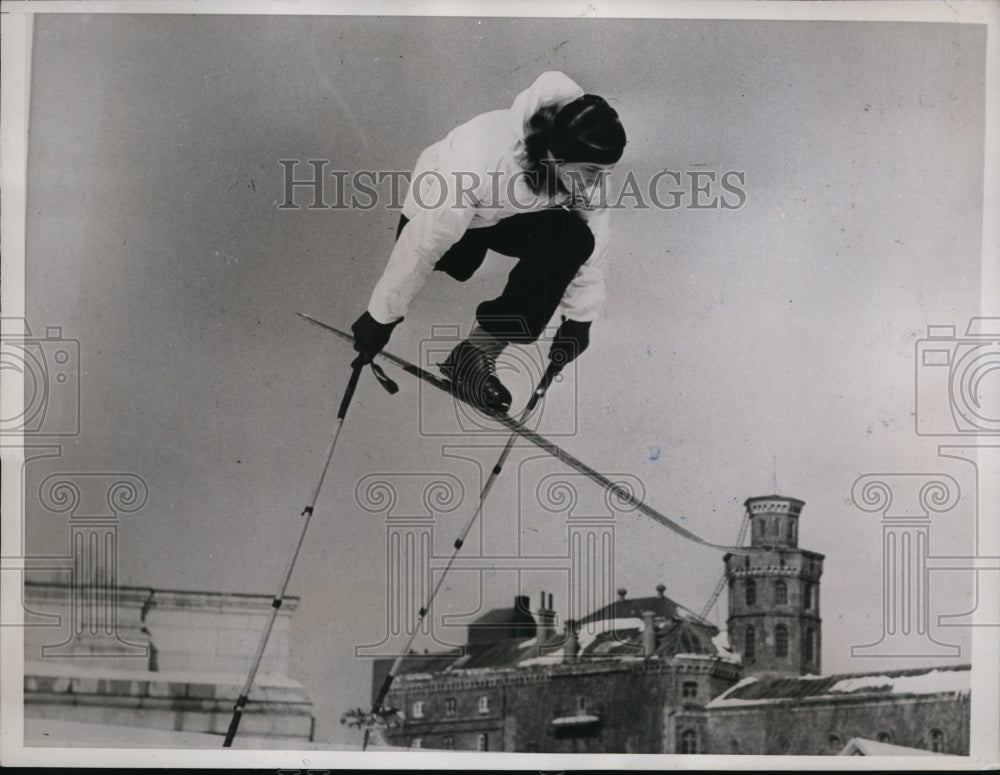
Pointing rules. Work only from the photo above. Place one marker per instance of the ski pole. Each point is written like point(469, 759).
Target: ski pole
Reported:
point(550, 374)
point(307, 512)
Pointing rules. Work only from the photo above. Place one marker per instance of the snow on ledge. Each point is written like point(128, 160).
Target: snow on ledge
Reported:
point(933, 682)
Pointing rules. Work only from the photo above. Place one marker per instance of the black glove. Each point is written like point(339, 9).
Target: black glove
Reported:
point(370, 336)
point(570, 340)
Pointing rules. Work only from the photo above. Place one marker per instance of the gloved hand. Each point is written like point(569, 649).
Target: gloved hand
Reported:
point(370, 336)
point(570, 340)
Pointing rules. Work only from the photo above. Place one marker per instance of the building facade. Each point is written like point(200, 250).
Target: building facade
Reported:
point(158, 660)
point(648, 675)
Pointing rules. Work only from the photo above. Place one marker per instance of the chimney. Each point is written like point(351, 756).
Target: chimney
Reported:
point(546, 620)
point(648, 634)
point(523, 624)
point(572, 645)
point(660, 589)
point(621, 593)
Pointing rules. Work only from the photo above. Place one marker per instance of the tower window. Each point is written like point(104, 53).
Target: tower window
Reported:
point(937, 741)
point(751, 592)
point(780, 593)
point(418, 709)
point(689, 689)
point(781, 641)
point(809, 646)
point(484, 704)
point(749, 644)
point(811, 597)
point(689, 741)
point(450, 706)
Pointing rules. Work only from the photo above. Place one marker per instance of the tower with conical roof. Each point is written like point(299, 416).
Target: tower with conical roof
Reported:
point(774, 617)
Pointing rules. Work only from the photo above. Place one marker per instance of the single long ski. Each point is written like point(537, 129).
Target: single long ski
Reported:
point(621, 493)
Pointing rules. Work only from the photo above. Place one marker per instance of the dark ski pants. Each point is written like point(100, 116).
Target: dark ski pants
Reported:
point(551, 245)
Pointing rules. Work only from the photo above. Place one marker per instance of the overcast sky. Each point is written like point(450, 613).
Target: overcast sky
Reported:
point(768, 348)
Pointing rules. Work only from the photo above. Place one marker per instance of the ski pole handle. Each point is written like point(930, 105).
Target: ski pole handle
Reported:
point(352, 385)
point(546, 382)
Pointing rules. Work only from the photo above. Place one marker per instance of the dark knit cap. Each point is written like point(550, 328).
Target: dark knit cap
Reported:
point(587, 130)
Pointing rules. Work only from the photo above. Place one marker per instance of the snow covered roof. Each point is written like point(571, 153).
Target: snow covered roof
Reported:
point(661, 606)
point(860, 746)
point(765, 689)
point(613, 639)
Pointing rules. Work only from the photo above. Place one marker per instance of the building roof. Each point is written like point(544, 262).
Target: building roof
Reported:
point(860, 746)
point(515, 623)
point(761, 690)
point(661, 606)
point(508, 638)
point(613, 639)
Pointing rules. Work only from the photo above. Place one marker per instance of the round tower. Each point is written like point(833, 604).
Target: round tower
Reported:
point(774, 618)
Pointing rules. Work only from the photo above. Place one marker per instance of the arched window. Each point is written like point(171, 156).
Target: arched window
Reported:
point(418, 709)
point(749, 644)
point(937, 741)
point(689, 741)
point(484, 704)
point(780, 592)
point(483, 742)
point(751, 592)
point(780, 641)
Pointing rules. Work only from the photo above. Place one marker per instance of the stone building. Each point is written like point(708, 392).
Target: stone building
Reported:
point(647, 675)
point(156, 661)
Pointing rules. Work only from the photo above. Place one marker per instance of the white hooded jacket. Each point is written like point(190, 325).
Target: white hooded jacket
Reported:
point(472, 179)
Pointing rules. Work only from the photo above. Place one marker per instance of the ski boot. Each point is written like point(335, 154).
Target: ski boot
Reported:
point(473, 374)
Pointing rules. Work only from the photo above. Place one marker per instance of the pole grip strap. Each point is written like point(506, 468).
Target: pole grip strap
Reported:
point(383, 379)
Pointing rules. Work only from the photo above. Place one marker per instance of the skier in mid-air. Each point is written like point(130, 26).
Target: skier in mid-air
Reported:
point(519, 182)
